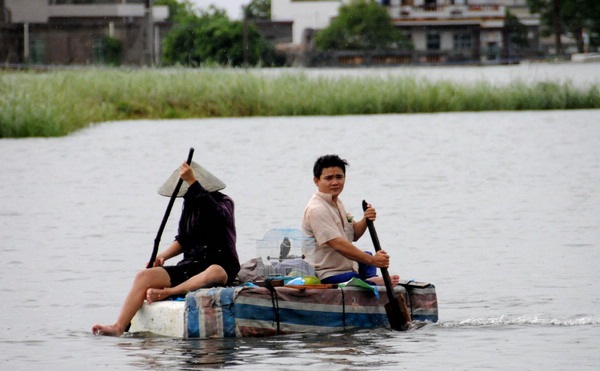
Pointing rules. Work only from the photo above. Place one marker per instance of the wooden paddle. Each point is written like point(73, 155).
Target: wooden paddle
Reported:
point(167, 212)
point(396, 309)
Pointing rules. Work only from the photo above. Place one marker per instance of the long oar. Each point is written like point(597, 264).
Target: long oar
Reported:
point(395, 308)
point(167, 212)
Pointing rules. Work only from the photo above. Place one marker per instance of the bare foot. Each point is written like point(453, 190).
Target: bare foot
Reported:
point(153, 295)
point(108, 330)
point(379, 280)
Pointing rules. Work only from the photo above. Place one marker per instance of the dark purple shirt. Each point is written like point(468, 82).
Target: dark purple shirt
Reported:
point(207, 229)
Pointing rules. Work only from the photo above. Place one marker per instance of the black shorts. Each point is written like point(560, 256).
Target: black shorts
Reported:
point(182, 273)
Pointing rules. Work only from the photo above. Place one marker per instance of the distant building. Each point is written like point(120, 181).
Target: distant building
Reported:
point(442, 31)
point(62, 32)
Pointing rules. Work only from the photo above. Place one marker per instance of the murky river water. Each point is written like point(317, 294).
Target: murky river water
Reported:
point(500, 210)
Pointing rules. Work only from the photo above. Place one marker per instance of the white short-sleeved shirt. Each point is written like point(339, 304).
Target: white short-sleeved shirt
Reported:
point(323, 221)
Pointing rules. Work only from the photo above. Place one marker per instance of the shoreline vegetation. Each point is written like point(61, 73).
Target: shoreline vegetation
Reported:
point(57, 103)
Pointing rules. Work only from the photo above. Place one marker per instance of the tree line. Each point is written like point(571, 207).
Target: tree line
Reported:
point(568, 17)
point(210, 37)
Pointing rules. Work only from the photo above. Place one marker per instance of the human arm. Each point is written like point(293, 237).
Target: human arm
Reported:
point(173, 250)
point(380, 260)
point(361, 226)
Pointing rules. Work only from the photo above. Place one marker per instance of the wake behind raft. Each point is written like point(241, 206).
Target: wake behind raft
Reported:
point(281, 296)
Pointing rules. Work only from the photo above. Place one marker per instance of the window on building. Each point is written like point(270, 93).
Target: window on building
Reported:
point(430, 4)
point(37, 51)
point(492, 51)
point(433, 41)
point(462, 41)
point(99, 51)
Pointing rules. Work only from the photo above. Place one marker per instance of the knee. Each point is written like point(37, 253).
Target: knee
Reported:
point(143, 275)
point(217, 274)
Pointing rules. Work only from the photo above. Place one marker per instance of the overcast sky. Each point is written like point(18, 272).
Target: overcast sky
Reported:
point(233, 7)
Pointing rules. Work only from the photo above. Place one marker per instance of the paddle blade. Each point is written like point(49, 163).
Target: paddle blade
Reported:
point(398, 314)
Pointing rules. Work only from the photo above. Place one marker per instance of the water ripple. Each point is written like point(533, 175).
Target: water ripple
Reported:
point(511, 320)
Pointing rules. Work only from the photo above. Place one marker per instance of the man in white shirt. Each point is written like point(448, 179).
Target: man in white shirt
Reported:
point(326, 220)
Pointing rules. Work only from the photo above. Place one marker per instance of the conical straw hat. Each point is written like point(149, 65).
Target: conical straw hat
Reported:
point(207, 180)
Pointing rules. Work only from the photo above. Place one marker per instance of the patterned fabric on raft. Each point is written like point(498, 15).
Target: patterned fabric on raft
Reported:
point(258, 311)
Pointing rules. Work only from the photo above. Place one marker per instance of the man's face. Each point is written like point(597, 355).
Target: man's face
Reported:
point(331, 181)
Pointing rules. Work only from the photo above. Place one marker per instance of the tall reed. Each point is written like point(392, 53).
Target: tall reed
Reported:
point(60, 102)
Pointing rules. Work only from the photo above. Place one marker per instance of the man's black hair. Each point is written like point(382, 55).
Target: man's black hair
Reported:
point(328, 161)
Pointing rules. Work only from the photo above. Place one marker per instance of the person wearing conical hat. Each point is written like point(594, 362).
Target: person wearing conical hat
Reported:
point(206, 238)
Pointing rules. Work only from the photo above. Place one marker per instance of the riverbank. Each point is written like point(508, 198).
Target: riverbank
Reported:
point(59, 102)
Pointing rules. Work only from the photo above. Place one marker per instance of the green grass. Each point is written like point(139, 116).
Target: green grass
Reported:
point(60, 102)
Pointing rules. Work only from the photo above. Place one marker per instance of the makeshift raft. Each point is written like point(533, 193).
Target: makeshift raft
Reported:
point(265, 311)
